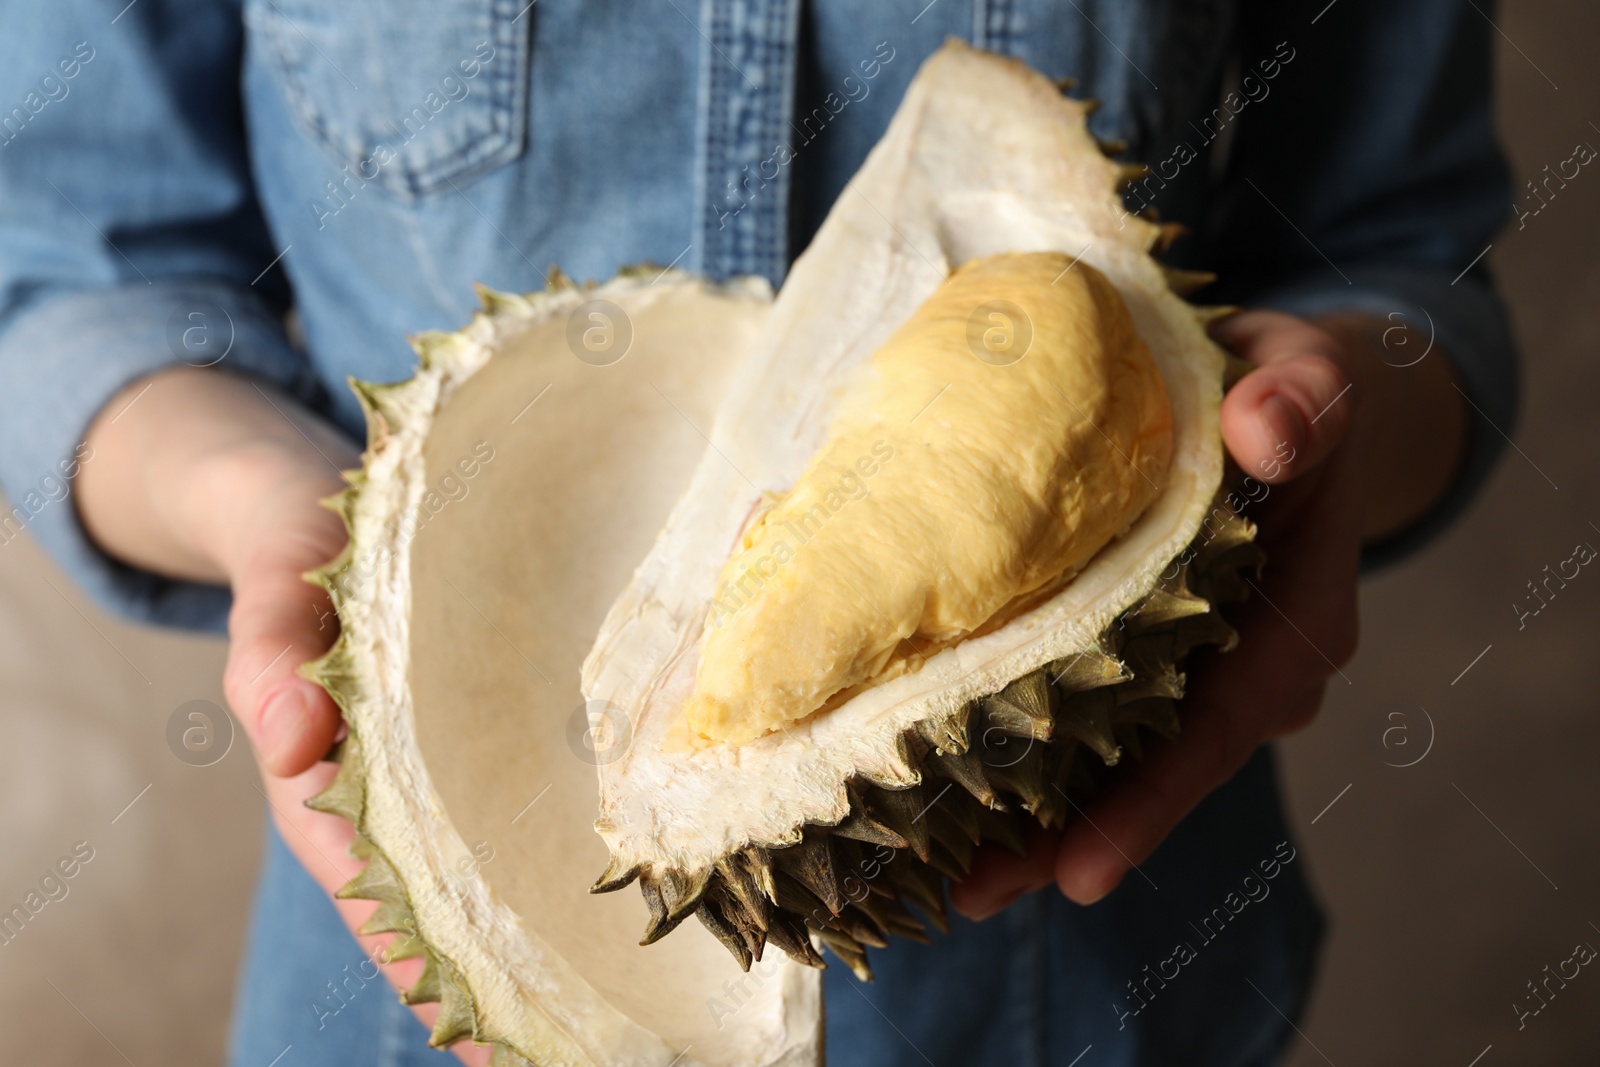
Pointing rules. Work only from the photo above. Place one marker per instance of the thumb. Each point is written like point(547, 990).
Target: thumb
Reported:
point(279, 622)
point(1285, 417)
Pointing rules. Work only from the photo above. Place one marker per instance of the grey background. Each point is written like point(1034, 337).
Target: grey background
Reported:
point(1450, 884)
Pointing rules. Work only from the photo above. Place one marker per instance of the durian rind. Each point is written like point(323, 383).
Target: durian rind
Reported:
point(949, 182)
point(495, 980)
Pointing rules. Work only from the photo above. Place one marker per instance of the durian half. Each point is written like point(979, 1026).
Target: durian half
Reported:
point(986, 185)
point(507, 492)
point(511, 486)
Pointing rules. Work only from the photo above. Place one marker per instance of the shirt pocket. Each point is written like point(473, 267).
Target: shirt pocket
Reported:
point(413, 94)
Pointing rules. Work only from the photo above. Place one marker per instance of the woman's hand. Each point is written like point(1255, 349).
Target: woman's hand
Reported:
point(1291, 423)
point(213, 477)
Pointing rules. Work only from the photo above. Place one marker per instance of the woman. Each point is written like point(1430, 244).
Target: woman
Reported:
point(179, 173)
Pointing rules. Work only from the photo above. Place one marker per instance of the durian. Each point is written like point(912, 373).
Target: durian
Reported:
point(974, 681)
point(508, 492)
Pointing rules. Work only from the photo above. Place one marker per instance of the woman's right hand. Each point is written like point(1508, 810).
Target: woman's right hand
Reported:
point(209, 476)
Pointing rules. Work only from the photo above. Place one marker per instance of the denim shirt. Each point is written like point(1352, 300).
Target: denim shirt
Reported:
point(174, 175)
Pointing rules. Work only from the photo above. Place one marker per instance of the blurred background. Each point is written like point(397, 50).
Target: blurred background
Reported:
point(1450, 883)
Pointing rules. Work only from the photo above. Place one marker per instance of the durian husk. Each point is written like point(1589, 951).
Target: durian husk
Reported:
point(763, 840)
point(453, 734)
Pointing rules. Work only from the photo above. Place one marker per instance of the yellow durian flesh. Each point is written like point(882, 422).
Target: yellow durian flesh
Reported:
point(1002, 436)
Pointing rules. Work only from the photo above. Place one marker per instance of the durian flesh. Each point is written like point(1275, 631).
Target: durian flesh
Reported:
point(950, 490)
point(983, 158)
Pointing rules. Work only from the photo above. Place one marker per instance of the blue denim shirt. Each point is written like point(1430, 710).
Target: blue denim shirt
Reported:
point(175, 175)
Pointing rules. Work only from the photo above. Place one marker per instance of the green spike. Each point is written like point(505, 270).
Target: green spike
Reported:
point(618, 873)
point(852, 954)
point(682, 891)
point(1087, 717)
point(457, 1017)
point(1234, 369)
point(342, 504)
point(1203, 630)
point(407, 945)
point(758, 862)
point(1090, 669)
point(335, 671)
point(711, 917)
point(737, 882)
point(796, 898)
point(1159, 682)
point(1160, 607)
point(859, 826)
point(1022, 708)
point(901, 811)
point(373, 400)
point(377, 880)
point(346, 795)
point(750, 918)
point(966, 770)
point(426, 989)
point(391, 917)
point(1052, 809)
point(948, 733)
point(811, 864)
point(859, 929)
point(494, 302)
point(1023, 776)
point(424, 344)
point(656, 898)
point(790, 936)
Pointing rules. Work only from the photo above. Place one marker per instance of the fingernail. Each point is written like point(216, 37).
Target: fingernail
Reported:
point(282, 721)
point(1085, 894)
point(1094, 897)
point(1285, 423)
